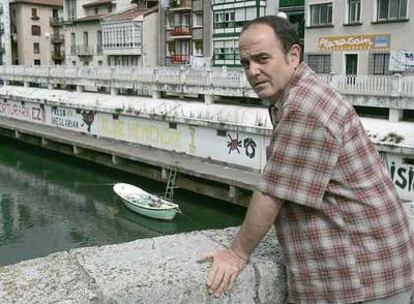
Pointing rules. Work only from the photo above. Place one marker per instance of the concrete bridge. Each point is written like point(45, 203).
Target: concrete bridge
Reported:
point(393, 92)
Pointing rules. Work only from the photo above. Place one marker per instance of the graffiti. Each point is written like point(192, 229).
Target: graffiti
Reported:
point(153, 135)
point(234, 144)
point(23, 111)
point(88, 118)
point(250, 147)
point(112, 128)
point(64, 118)
point(402, 175)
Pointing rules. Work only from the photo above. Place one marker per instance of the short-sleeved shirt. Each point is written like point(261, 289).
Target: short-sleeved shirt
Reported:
point(344, 233)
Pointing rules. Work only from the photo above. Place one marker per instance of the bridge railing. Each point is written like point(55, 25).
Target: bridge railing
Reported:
point(184, 79)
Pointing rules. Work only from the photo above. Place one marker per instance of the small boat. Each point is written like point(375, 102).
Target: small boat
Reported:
point(144, 203)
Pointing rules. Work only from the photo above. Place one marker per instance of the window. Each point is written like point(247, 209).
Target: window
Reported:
point(224, 19)
point(85, 38)
point(36, 30)
point(354, 11)
point(389, 10)
point(96, 10)
point(320, 63)
point(321, 14)
point(34, 14)
point(37, 62)
point(378, 64)
point(36, 48)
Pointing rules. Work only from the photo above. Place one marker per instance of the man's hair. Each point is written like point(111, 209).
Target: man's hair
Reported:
point(282, 29)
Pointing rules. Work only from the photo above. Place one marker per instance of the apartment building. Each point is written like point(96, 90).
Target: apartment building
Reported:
point(360, 37)
point(5, 34)
point(130, 37)
point(83, 31)
point(229, 16)
point(295, 11)
point(185, 32)
point(35, 38)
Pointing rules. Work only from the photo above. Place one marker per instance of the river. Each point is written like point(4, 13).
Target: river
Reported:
point(50, 202)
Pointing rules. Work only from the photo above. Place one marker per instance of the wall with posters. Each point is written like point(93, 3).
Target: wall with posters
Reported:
point(230, 145)
point(235, 147)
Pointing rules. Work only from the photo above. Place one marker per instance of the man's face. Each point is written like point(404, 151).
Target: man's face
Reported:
point(267, 68)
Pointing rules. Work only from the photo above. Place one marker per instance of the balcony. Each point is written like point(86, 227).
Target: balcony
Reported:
point(56, 21)
point(58, 55)
point(180, 31)
point(2, 49)
point(1, 29)
point(178, 59)
point(180, 5)
point(57, 38)
point(85, 50)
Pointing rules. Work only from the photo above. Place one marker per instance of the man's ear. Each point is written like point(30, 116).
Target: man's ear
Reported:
point(294, 55)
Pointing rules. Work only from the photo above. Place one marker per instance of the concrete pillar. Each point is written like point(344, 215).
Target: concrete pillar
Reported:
point(208, 99)
point(26, 84)
point(6, 82)
point(164, 173)
point(79, 88)
point(50, 86)
point(156, 94)
point(114, 160)
point(114, 91)
point(395, 115)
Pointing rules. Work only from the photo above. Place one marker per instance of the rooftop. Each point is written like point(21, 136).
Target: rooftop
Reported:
point(40, 2)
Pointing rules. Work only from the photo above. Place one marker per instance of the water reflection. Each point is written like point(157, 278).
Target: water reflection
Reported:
point(50, 203)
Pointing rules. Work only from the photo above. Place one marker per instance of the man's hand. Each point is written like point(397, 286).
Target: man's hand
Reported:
point(226, 267)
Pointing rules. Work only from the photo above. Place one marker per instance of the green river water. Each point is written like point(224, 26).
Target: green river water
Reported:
point(50, 202)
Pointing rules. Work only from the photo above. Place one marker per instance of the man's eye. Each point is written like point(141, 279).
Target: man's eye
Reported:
point(262, 60)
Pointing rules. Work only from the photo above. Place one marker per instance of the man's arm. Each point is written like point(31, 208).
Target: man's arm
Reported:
point(227, 264)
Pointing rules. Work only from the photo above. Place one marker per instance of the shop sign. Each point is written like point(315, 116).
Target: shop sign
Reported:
point(355, 42)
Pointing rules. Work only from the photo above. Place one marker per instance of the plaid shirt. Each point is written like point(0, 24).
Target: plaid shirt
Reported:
point(343, 231)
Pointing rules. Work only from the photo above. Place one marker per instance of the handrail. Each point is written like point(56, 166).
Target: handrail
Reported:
point(200, 80)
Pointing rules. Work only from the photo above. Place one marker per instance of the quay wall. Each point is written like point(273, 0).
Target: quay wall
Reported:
point(157, 270)
point(231, 135)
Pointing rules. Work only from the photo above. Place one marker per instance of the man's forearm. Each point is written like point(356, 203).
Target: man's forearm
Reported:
point(261, 214)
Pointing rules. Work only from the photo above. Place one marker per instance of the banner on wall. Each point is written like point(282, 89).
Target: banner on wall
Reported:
point(355, 42)
point(402, 61)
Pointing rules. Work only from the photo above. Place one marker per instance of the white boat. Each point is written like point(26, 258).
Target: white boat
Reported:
point(144, 203)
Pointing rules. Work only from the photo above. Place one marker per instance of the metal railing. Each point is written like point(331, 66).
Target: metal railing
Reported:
point(202, 81)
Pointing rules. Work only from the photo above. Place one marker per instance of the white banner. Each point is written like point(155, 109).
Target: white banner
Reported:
point(402, 61)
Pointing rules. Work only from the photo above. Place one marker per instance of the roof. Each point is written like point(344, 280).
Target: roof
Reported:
point(40, 2)
point(129, 14)
point(96, 3)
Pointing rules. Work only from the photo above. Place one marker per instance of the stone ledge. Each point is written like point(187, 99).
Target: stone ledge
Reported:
point(158, 270)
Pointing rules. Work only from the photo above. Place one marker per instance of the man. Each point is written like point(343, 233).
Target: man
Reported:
point(343, 231)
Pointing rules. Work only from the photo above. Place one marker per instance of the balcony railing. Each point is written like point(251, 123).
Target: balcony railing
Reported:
point(56, 21)
point(212, 80)
point(57, 38)
point(58, 55)
point(180, 31)
point(85, 50)
point(178, 59)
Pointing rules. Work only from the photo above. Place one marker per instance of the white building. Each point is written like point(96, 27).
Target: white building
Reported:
point(130, 37)
point(359, 37)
